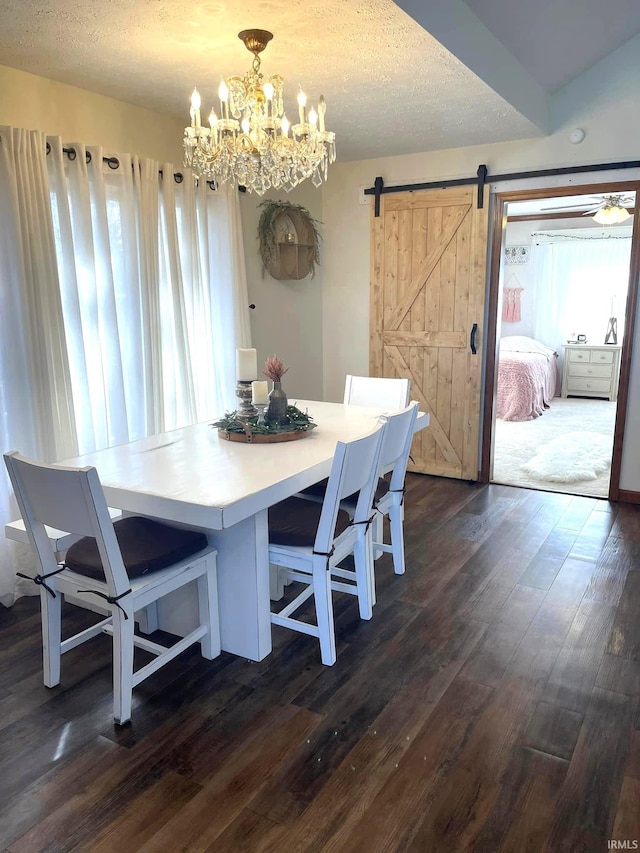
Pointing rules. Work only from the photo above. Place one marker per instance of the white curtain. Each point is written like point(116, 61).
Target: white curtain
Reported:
point(36, 407)
point(581, 283)
point(123, 299)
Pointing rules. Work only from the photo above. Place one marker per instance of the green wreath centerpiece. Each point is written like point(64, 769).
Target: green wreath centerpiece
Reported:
point(295, 421)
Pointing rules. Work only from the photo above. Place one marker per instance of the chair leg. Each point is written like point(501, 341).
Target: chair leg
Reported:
point(123, 630)
point(363, 559)
point(208, 610)
point(51, 614)
point(378, 533)
point(276, 583)
point(324, 611)
point(397, 538)
point(148, 618)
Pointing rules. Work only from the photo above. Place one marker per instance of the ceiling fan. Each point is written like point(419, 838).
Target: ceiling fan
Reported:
point(605, 209)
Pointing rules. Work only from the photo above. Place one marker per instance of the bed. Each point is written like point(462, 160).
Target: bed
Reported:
point(527, 378)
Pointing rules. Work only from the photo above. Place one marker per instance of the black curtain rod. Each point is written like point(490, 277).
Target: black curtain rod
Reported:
point(112, 162)
point(482, 177)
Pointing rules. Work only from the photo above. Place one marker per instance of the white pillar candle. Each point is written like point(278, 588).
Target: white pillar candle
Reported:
point(246, 365)
point(260, 392)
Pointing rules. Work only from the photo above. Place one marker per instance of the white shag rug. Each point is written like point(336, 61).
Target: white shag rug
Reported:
point(571, 458)
point(516, 442)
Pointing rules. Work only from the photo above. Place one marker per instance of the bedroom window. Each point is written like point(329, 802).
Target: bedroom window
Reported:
point(581, 282)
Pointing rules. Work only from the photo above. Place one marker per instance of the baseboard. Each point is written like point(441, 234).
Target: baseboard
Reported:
point(627, 497)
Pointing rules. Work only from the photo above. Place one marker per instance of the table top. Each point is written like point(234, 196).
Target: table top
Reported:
point(193, 476)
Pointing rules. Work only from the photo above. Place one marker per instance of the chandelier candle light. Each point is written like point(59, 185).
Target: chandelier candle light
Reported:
point(252, 143)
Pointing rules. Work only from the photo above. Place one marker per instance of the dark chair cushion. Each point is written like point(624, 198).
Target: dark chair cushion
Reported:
point(294, 521)
point(146, 546)
point(318, 490)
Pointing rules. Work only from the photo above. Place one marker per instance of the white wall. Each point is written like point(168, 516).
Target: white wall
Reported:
point(36, 103)
point(287, 319)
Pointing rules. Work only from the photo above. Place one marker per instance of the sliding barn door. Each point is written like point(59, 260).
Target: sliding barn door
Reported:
point(428, 273)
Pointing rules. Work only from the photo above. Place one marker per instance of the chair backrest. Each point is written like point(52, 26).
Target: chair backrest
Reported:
point(376, 391)
point(69, 499)
point(396, 445)
point(354, 469)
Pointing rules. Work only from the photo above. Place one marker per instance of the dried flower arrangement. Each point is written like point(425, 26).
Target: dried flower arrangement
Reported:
point(274, 369)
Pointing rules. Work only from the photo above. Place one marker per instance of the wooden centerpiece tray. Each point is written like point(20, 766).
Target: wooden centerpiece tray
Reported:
point(298, 425)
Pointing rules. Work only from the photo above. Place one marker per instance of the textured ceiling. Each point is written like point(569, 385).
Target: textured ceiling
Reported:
point(390, 87)
point(555, 40)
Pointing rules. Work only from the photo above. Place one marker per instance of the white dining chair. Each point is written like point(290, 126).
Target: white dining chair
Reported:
point(307, 541)
point(376, 391)
point(125, 566)
point(388, 499)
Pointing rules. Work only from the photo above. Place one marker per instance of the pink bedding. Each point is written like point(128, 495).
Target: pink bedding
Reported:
point(527, 376)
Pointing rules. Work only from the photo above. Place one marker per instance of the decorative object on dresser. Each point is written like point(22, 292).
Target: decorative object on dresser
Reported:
point(591, 371)
point(289, 240)
point(612, 331)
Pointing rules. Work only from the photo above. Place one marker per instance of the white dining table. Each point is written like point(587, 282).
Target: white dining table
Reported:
point(194, 477)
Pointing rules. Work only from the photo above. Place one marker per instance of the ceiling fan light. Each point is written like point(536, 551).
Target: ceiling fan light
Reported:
point(611, 215)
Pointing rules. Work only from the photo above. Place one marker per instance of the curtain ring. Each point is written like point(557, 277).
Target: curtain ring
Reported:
point(70, 152)
point(48, 148)
point(88, 157)
point(178, 177)
point(112, 162)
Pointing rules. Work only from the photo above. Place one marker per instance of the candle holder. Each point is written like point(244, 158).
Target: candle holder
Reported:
point(245, 410)
point(261, 410)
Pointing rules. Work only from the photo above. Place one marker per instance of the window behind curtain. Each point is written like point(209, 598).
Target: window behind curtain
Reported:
point(101, 266)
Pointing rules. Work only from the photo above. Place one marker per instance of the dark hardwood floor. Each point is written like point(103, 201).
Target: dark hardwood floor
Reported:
point(491, 704)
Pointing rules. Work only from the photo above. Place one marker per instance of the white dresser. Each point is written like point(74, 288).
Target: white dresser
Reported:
point(591, 371)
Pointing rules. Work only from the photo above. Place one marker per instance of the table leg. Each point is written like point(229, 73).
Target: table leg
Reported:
point(243, 591)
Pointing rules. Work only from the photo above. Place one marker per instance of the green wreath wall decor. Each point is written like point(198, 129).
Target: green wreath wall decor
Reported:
point(289, 241)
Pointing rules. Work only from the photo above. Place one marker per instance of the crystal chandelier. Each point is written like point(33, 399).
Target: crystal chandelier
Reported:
point(252, 143)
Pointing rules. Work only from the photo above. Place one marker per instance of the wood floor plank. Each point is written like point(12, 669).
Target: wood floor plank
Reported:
point(545, 565)
point(491, 704)
point(616, 559)
point(578, 663)
point(251, 831)
point(553, 730)
point(572, 580)
point(576, 514)
point(624, 640)
point(328, 821)
point(523, 813)
point(587, 804)
point(626, 827)
point(231, 786)
point(391, 821)
point(489, 660)
point(145, 815)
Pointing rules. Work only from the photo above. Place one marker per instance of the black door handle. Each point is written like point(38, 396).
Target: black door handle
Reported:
point(472, 339)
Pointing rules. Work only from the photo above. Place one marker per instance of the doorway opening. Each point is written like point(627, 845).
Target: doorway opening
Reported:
point(560, 339)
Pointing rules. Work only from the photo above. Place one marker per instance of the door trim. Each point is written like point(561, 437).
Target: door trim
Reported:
point(498, 239)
